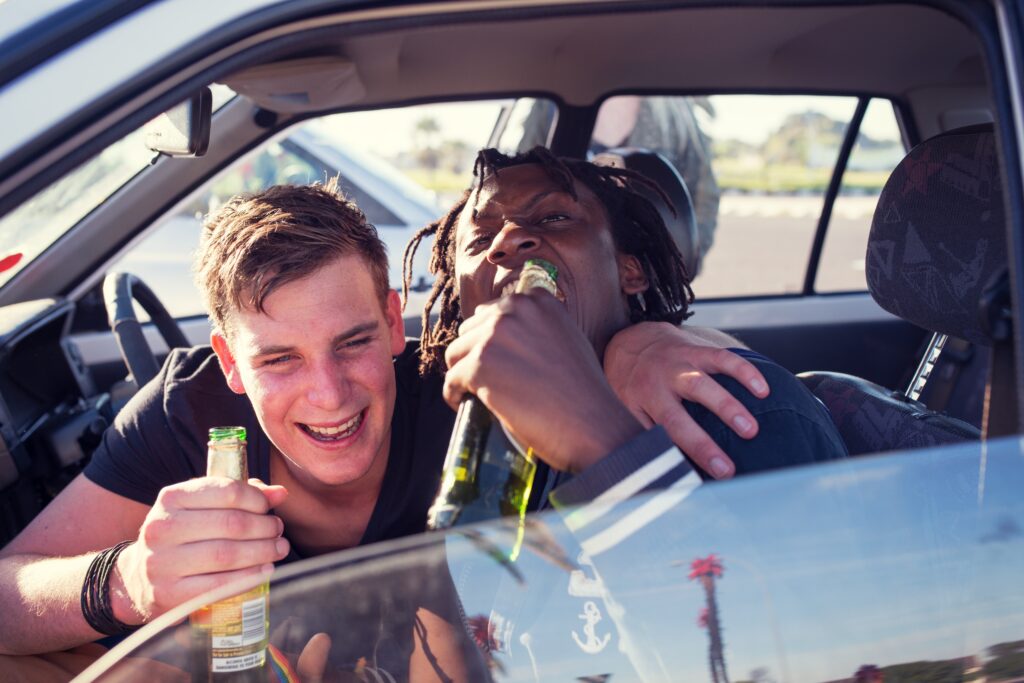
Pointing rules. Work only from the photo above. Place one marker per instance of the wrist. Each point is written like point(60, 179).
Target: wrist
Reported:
point(122, 605)
point(96, 599)
point(607, 433)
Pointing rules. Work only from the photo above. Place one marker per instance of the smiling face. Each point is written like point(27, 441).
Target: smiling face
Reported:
point(522, 213)
point(317, 367)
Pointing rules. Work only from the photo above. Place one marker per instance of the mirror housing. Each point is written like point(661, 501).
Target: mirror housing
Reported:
point(183, 130)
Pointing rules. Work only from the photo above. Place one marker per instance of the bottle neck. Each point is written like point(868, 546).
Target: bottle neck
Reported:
point(227, 460)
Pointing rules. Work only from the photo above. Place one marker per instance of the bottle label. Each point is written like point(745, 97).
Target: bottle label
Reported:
point(238, 631)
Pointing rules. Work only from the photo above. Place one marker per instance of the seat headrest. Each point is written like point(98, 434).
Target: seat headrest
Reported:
point(683, 223)
point(938, 237)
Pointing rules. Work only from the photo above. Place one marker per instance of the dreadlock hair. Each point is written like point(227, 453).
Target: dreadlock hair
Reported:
point(637, 229)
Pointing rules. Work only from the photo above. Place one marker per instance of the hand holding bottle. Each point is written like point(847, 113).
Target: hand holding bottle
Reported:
point(200, 534)
point(532, 367)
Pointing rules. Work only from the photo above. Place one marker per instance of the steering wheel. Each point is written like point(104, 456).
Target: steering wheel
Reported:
point(119, 290)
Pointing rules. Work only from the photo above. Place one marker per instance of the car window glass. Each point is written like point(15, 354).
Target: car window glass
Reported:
point(28, 230)
point(403, 167)
point(526, 123)
point(756, 166)
point(901, 567)
point(879, 148)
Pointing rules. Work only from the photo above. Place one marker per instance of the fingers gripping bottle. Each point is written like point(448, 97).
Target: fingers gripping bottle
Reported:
point(486, 473)
point(230, 636)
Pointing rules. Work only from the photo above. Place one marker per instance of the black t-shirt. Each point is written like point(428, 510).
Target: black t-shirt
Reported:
point(159, 438)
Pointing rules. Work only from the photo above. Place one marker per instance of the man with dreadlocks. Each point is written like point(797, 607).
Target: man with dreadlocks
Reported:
point(535, 360)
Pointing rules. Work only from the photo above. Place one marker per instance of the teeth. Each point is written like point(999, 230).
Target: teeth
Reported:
point(339, 431)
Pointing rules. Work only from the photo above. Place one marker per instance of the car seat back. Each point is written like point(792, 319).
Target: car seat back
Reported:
point(936, 257)
point(680, 218)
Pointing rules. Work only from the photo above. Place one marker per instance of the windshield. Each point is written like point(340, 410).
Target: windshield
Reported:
point(19, 15)
point(903, 566)
point(26, 232)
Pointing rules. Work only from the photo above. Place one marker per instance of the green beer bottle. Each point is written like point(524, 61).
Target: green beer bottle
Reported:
point(486, 473)
point(230, 636)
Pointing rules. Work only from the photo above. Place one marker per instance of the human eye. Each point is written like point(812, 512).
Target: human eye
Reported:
point(356, 343)
point(479, 242)
point(554, 218)
point(277, 361)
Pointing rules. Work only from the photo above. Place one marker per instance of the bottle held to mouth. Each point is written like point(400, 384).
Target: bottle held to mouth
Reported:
point(486, 473)
point(229, 637)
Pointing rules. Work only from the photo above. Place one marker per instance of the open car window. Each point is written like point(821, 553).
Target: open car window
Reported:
point(26, 232)
point(758, 183)
point(905, 565)
point(403, 167)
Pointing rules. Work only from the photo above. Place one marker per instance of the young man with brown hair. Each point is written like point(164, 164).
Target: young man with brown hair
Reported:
point(309, 338)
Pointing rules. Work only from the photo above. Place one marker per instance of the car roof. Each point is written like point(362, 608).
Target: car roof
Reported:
point(575, 52)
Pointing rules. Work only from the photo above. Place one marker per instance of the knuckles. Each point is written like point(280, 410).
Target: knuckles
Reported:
point(155, 530)
point(235, 523)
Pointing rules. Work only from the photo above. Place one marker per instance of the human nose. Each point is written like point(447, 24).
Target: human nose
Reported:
point(513, 241)
point(327, 389)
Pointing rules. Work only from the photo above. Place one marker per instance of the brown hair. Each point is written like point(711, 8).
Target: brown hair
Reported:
point(637, 229)
point(257, 242)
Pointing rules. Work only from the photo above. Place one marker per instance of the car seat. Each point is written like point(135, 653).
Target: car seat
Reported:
point(682, 222)
point(936, 257)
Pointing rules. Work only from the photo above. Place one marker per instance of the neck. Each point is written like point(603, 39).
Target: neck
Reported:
point(320, 518)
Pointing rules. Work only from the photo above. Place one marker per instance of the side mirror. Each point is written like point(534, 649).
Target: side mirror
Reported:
point(183, 130)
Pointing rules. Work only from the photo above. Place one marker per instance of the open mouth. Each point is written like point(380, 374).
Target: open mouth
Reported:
point(336, 433)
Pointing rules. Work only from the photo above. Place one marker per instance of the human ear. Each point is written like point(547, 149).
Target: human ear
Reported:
point(228, 365)
point(632, 278)
point(396, 326)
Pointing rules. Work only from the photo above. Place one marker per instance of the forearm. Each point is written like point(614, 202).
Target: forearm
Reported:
point(40, 598)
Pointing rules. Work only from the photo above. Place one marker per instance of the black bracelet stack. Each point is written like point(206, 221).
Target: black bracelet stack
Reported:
point(96, 607)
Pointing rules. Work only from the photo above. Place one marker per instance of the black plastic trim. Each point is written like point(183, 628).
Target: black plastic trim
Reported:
point(829, 200)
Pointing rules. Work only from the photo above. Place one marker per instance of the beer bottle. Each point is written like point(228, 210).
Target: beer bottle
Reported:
point(230, 636)
point(486, 473)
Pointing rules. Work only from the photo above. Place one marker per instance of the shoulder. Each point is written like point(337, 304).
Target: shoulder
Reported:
point(794, 427)
point(189, 386)
point(787, 392)
point(192, 369)
point(157, 438)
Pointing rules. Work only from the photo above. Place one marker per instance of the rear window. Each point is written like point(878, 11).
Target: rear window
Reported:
point(757, 168)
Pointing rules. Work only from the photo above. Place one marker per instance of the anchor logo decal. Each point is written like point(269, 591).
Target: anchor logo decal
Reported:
point(591, 615)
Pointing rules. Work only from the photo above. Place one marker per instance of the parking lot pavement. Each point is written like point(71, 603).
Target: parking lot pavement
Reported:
point(762, 245)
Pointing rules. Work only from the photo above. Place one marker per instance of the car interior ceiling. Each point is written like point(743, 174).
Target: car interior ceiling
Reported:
point(936, 73)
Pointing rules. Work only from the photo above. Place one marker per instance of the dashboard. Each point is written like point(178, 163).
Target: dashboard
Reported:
point(51, 416)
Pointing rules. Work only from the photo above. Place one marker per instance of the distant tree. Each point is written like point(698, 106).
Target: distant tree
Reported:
point(947, 671)
point(1007, 661)
point(425, 135)
point(761, 675)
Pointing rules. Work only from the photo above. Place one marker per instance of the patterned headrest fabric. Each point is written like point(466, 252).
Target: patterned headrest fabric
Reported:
point(938, 238)
point(683, 223)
